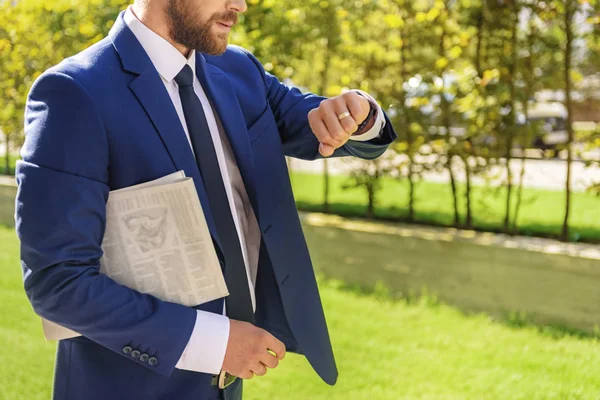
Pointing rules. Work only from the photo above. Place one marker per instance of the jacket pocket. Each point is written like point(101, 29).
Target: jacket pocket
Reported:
point(261, 125)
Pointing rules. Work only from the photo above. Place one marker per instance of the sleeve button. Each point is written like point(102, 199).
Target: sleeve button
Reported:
point(152, 361)
point(144, 357)
point(135, 353)
point(127, 349)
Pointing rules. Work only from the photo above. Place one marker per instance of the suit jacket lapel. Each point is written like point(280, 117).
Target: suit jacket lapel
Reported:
point(154, 98)
point(224, 101)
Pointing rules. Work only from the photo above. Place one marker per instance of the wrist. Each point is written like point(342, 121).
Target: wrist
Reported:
point(369, 121)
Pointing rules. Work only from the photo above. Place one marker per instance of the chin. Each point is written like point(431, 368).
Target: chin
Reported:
point(221, 48)
point(216, 51)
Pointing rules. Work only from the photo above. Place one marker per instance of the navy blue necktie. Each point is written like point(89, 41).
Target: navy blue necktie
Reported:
point(239, 303)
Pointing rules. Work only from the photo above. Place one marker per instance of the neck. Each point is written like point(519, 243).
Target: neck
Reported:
point(156, 20)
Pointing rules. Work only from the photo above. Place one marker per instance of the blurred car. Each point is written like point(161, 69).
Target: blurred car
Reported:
point(550, 119)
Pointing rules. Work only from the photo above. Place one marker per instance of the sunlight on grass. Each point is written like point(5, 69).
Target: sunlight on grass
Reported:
point(542, 211)
point(384, 349)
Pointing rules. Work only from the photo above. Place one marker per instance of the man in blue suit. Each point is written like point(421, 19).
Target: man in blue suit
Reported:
point(163, 92)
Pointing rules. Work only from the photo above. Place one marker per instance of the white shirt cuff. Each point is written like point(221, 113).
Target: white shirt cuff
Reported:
point(206, 347)
point(379, 122)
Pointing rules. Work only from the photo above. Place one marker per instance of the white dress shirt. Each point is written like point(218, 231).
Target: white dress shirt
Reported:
point(206, 347)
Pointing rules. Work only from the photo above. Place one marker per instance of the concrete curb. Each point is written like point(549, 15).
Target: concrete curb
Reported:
point(7, 180)
point(541, 245)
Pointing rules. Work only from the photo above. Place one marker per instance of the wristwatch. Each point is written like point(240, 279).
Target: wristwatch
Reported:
point(372, 113)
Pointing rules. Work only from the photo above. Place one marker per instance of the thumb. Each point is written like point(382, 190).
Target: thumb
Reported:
point(326, 150)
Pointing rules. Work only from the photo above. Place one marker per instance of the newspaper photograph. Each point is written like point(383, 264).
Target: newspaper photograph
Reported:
point(157, 242)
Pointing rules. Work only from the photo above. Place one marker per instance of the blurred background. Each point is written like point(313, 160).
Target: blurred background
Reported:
point(464, 263)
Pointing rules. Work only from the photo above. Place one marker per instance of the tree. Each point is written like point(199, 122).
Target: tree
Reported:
point(511, 127)
point(569, 8)
point(443, 21)
point(529, 65)
point(369, 177)
point(55, 30)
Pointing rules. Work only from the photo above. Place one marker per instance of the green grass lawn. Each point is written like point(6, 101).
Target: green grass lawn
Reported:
point(385, 350)
point(541, 214)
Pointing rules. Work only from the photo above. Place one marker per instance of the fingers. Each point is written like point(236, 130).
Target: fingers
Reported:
point(251, 350)
point(247, 374)
point(331, 131)
point(321, 132)
point(348, 124)
point(320, 128)
point(357, 109)
point(269, 360)
point(259, 369)
point(276, 346)
point(332, 109)
point(349, 105)
point(326, 150)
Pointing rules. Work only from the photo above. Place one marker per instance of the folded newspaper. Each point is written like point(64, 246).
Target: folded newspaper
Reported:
point(157, 242)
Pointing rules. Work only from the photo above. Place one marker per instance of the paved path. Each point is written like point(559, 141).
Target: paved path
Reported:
point(540, 245)
point(543, 174)
point(7, 181)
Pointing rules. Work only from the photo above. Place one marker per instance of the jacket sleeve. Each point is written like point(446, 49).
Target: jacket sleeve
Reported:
point(60, 221)
point(290, 107)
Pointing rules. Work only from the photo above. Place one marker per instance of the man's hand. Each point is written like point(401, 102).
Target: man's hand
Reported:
point(248, 348)
point(332, 131)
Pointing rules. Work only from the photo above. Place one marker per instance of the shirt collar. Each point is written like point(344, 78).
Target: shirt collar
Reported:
point(167, 60)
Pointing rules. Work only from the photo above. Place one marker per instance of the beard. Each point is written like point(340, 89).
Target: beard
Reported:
point(188, 27)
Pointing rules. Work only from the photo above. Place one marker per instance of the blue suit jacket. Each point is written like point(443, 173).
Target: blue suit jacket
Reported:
point(102, 120)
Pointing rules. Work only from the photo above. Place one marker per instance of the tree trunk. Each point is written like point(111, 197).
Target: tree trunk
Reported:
point(446, 122)
point(511, 125)
point(7, 155)
point(469, 216)
point(519, 201)
point(480, 25)
point(479, 68)
point(569, 13)
point(411, 189)
point(454, 194)
point(526, 137)
point(515, 227)
point(323, 88)
point(409, 136)
point(371, 204)
point(326, 186)
point(509, 179)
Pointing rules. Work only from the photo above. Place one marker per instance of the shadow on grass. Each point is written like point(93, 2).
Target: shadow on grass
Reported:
point(425, 298)
point(7, 205)
point(556, 290)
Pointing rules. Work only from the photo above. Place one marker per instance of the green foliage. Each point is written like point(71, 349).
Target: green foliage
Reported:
point(437, 66)
point(37, 34)
point(8, 169)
